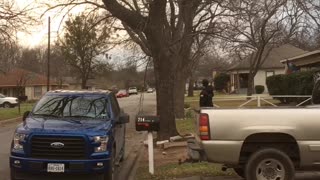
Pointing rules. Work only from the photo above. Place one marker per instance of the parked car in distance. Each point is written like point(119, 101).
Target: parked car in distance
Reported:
point(122, 93)
point(8, 102)
point(70, 132)
point(133, 90)
point(150, 90)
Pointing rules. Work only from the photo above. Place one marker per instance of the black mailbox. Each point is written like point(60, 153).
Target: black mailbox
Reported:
point(147, 123)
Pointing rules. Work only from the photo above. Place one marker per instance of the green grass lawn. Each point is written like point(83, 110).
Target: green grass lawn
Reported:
point(229, 103)
point(186, 126)
point(9, 113)
point(174, 170)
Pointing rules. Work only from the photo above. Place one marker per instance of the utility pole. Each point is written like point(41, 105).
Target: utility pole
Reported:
point(48, 75)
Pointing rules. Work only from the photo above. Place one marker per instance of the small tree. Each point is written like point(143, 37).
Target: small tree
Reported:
point(22, 79)
point(221, 81)
point(82, 44)
point(257, 27)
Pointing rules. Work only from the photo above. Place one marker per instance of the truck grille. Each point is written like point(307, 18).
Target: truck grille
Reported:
point(74, 148)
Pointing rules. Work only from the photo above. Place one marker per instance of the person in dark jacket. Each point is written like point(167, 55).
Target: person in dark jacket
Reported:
point(206, 94)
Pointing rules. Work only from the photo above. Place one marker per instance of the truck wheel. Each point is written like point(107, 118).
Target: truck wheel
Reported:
point(13, 174)
point(269, 164)
point(239, 172)
point(109, 174)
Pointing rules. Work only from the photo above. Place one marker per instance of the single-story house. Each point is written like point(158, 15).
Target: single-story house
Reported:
point(75, 83)
point(239, 73)
point(18, 82)
point(306, 61)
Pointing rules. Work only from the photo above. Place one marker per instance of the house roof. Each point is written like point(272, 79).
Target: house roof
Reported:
point(18, 76)
point(77, 81)
point(305, 59)
point(273, 61)
point(301, 56)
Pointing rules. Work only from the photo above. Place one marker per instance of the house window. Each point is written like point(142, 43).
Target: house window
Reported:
point(37, 91)
point(5, 92)
point(270, 73)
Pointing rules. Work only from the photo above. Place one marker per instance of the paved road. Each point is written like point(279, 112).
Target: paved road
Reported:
point(133, 139)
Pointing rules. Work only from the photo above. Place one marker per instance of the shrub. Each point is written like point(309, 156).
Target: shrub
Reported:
point(186, 105)
point(300, 83)
point(221, 81)
point(259, 89)
point(189, 114)
point(23, 98)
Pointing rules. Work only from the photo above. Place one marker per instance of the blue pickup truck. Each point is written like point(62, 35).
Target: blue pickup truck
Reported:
point(70, 132)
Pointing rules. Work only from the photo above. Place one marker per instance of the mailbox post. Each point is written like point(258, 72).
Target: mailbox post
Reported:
point(150, 124)
point(151, 153)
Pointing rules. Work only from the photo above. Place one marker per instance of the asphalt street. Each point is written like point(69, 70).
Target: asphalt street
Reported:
point(133, 140)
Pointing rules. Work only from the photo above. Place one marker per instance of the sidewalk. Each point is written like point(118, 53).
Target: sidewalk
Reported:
point(6, 121)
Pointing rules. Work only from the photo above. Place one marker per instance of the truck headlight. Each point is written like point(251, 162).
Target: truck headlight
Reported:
point(17, 141)
point(103, 140)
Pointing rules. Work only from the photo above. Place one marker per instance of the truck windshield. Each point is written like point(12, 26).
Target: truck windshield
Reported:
point(74, 106)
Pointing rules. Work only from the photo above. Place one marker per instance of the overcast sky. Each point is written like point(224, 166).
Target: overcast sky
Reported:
point(38, 34)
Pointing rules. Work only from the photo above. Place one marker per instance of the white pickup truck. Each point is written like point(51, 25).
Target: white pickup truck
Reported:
point(260, 144)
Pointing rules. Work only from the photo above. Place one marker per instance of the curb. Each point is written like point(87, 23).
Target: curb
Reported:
point(134, 166)
point(10, 120)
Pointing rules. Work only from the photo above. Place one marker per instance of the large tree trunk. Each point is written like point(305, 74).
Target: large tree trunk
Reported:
point(180, 88)
point(170, 48)
point(250, 90)
point(83, 83)
point(191, 87)
point(165, 83)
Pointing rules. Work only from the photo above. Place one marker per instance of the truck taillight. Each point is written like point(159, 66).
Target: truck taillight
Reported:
point(204, 127)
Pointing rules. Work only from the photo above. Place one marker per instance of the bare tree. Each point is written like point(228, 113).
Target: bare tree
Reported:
point(12, 19)
point(22, 79)
point(311, 9)
point(258, 26)
point(200, 47)
point(31, 59)
point(8, 56)
point(165, 30)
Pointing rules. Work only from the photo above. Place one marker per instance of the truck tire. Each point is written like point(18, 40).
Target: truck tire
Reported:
point(239, 172)
point(13, 174)
point(270, 164)
point(109, 174)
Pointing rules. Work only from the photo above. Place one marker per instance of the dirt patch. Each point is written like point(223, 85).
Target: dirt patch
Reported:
point(168, 156)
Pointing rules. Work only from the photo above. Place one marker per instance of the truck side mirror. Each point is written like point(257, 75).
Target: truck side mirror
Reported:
point(25, 115)
point(147, 123)
point(124, 118)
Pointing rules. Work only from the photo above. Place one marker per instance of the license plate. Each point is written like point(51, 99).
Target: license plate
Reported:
point(55, 168)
